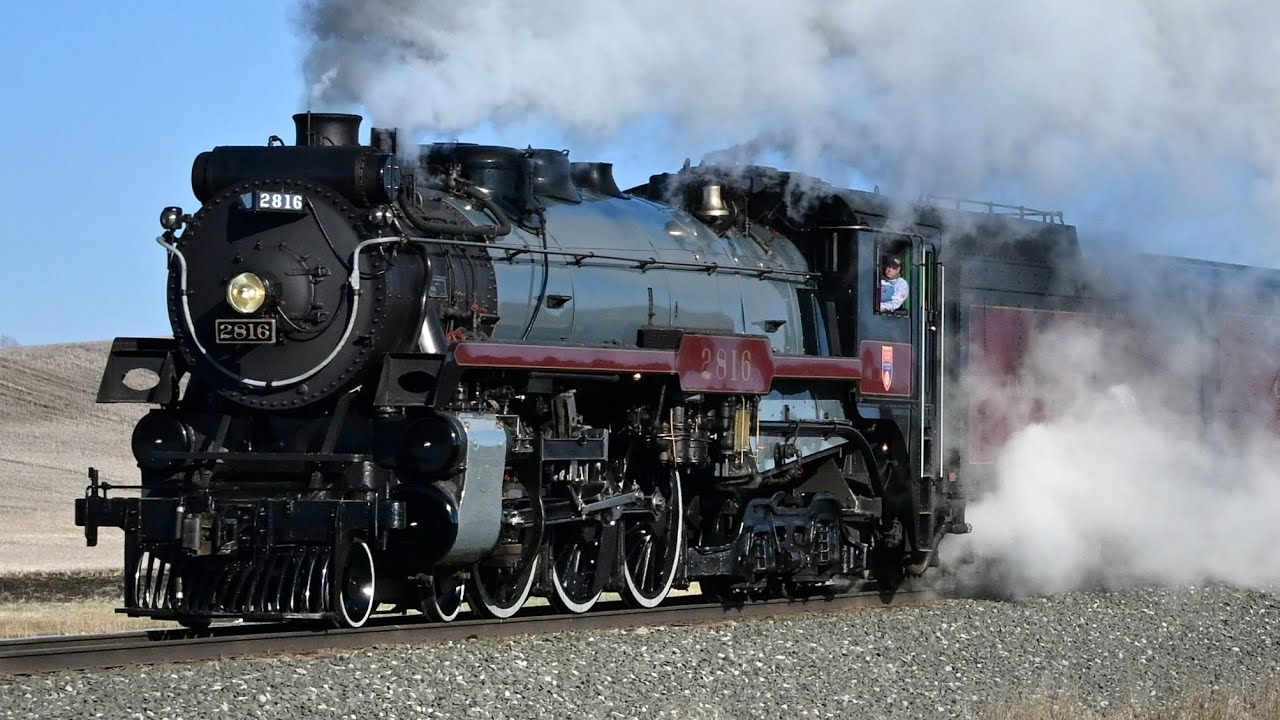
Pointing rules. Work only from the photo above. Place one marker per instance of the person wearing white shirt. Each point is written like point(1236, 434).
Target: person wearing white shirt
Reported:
point(893, 289)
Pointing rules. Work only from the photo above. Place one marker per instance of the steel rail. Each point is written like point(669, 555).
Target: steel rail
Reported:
point(28, 656)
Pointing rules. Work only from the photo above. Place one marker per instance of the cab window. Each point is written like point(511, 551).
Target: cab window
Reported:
point(893, 288)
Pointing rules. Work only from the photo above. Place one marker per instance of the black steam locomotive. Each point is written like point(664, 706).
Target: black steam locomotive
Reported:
point(417, 377)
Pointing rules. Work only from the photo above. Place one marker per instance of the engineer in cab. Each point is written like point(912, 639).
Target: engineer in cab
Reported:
point(893, 289)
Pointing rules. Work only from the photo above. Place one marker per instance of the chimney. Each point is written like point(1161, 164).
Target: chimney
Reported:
point(327, 129)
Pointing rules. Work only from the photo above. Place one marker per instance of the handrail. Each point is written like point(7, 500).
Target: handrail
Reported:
point(942, 367)
point(642, 264)
point(995, 208)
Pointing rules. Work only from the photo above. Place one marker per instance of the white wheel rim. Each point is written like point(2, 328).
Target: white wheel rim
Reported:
point(361, 549)
point(570, 605)
point(438, 612)
point(501, 612)
point(633, 590)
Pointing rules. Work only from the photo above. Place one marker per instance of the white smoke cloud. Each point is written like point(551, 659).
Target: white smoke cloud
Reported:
point(1128, 469)
point(1168, 104)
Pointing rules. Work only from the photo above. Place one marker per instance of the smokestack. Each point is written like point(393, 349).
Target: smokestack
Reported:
point(327, 129)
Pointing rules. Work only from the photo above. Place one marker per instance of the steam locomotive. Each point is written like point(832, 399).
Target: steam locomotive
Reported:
point(416, 377)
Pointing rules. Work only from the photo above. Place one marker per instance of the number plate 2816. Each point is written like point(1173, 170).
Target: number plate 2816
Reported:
point(273, 201)
point(257, 330)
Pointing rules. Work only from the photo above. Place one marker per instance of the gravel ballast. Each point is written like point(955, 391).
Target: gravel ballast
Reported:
point(949, 660)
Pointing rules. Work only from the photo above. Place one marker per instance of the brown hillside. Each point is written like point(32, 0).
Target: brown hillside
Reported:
point(51, 431)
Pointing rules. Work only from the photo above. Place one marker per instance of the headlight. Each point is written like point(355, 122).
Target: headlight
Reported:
point(246, 293)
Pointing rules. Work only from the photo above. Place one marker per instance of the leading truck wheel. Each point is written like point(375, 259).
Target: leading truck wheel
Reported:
point(355, 586)
point(443, 601)
point(499, 592)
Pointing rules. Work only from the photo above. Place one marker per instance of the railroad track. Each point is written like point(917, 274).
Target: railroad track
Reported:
point(89, 652)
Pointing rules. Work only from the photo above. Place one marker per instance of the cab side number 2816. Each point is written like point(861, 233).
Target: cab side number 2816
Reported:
point(726, 364)
point(710, 363)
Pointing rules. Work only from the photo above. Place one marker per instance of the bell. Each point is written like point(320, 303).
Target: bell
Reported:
point(712, 204)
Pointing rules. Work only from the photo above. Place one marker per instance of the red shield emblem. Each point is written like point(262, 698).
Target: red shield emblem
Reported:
point(886, 366)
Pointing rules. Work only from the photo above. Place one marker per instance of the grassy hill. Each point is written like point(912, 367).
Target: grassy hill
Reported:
point(51, 431)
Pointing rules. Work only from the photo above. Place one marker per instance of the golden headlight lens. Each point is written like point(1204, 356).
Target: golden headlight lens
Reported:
point(246, 293)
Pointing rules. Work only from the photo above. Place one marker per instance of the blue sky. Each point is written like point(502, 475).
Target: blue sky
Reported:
point(108, 103)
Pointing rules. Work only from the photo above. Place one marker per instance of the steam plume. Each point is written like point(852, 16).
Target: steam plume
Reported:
point(1152, 107)
point(1128, 468)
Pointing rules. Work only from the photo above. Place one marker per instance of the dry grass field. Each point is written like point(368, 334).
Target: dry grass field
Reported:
point(51, 431)
point(63, 603)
